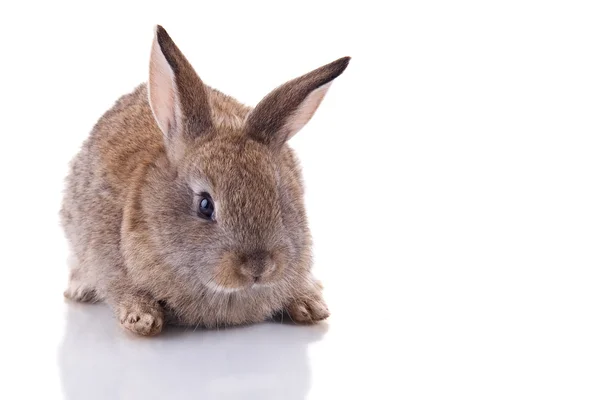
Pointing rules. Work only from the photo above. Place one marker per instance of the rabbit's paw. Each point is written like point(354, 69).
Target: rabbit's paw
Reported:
point(81, 292)
point(308, 310)
point(142, 319)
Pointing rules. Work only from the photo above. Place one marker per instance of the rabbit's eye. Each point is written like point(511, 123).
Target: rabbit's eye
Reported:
point(206, 207)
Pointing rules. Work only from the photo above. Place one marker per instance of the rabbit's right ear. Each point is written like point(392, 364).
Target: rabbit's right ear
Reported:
point(284, 111)
point(177, 96)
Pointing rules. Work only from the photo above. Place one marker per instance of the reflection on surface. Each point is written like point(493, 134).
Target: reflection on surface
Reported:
point(266, 361)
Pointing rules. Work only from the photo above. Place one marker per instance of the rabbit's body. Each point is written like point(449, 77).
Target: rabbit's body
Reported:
point(131, 215)
point(104, 180)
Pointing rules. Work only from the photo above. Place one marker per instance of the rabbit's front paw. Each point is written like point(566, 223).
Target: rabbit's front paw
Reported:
point(308, 310)
point(141, 319)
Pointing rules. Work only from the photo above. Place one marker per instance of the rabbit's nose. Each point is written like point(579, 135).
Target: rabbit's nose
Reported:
point(257, 265)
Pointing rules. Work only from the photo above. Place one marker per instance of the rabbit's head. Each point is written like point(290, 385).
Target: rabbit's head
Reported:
point(224, 205)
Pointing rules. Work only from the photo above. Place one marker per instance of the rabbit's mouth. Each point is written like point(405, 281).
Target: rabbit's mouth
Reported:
point(250, 285)
point(221, 289)
point(256, 270)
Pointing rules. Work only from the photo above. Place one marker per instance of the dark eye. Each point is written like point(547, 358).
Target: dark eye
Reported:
point(206, 207)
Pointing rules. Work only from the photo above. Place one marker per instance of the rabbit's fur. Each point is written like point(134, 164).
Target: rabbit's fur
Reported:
point(131, 203)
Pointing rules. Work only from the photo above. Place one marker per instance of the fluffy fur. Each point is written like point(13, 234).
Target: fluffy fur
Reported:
point(131, 200)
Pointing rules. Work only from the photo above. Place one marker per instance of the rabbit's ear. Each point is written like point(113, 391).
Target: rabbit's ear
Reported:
point(177, 96)
point(284, 111)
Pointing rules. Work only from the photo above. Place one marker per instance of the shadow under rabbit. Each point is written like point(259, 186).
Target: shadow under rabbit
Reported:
point(264, 361)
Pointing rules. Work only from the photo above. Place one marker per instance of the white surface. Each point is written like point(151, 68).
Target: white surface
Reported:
point(453, 191)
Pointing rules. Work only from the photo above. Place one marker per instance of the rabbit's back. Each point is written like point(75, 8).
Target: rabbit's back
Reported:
point(124, 138)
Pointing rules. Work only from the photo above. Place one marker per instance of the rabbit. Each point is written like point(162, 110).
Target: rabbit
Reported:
point(185, 207)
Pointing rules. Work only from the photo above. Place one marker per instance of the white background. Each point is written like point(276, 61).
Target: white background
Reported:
point(452, 187)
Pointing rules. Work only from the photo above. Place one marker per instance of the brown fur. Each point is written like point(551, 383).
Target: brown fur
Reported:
point(129, 209)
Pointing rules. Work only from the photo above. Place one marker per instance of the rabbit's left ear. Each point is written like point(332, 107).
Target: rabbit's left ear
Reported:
point(177, 96)
point(284, 111)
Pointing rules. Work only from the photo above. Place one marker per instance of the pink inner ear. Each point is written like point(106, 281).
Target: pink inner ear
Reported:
point(305, 111)
point(161, 89)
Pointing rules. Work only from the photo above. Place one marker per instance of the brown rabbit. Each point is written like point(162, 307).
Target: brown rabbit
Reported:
point(186, 206)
